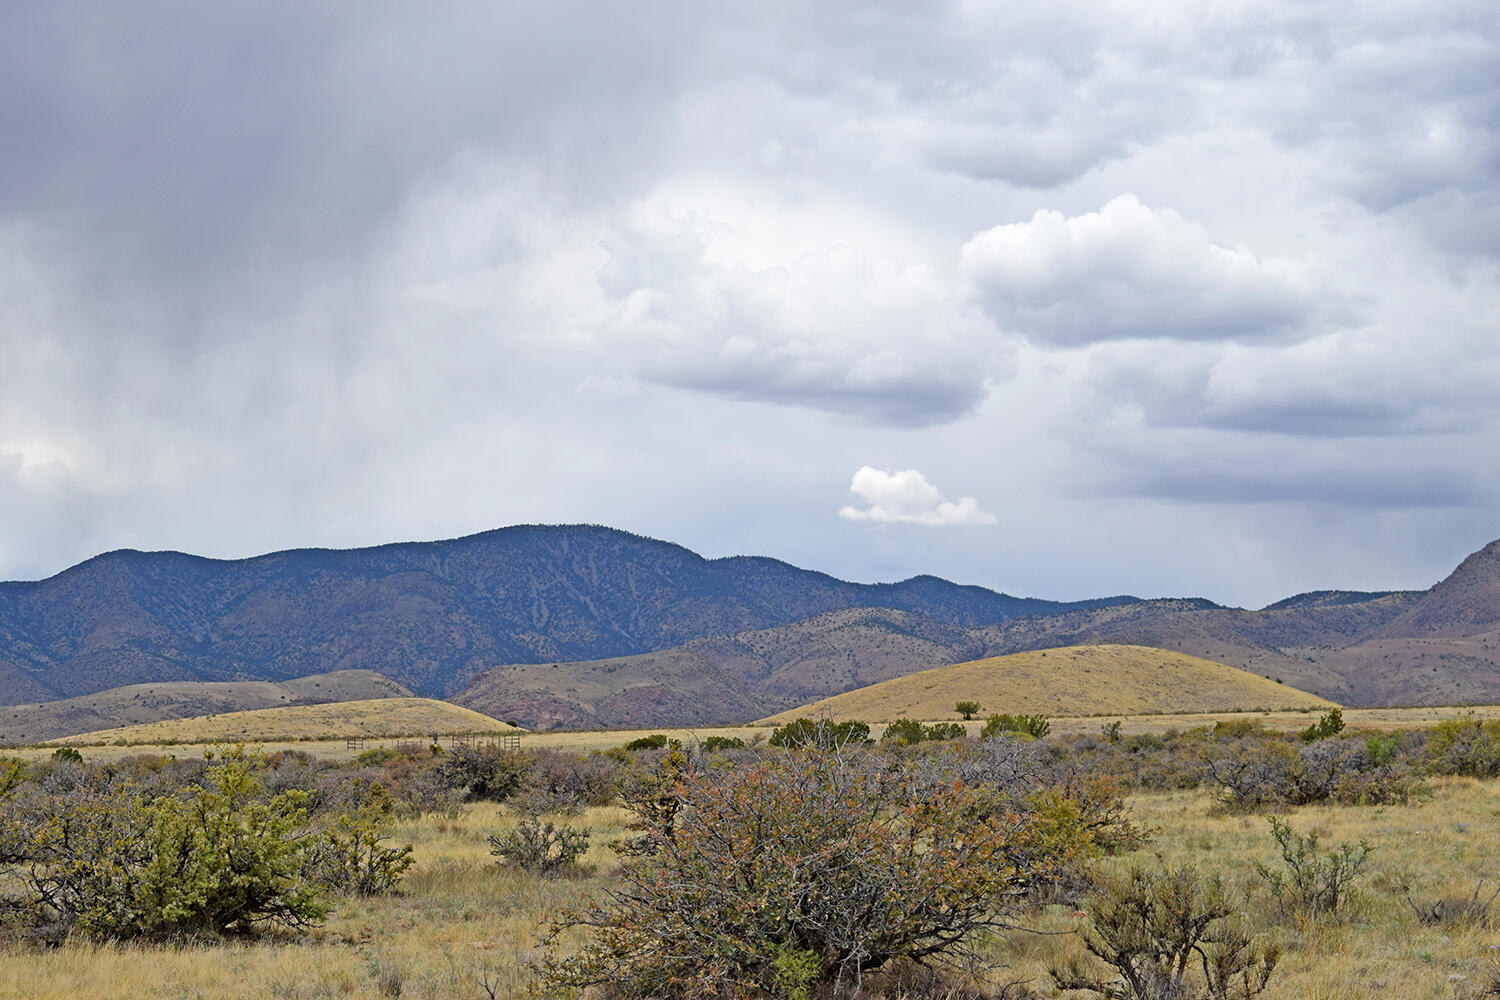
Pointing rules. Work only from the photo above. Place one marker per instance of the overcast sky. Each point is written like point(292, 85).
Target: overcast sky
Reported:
point(1064, 299)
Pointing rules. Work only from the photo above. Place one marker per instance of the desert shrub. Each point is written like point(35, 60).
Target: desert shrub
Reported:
point(103, 861)
point(349, 854)
point(968, 709)
point(904, 732)
point(13, 771)
point(67, 753)
point(1251, 772)
point(1035, 726)
point(1239, 727)
point(352, 856)
point(419, 787)
point(1464, 746)
point(820, 734)
point(541, 847)
point(1455, 912)
point(559, 782)
point(718, 744)
point(375, 756)
point(1261, 771)
point(1330, 724)
point(908, 732)
point(1383, 749)
point(799, 871)
point(656, 741)
point(490, 773)
point(1004, 766)
point(1312, 881)
point(1168, 935)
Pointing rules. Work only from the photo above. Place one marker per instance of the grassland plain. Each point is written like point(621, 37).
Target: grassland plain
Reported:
point(371, 717)
point(463, 928)
point(95, 746)
point(1069, 680)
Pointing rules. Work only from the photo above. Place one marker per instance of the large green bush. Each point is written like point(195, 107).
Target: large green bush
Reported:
point(107, 862)
point(820, 734)
point(1035, 726)
point(1465, 746)
point(160, 849)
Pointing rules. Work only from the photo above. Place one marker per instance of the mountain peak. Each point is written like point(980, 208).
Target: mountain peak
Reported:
point(1466, 602)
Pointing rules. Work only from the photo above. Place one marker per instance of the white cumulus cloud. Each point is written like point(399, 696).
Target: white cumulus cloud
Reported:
point(1130, 271)
point(906, 497)
point(702, 305)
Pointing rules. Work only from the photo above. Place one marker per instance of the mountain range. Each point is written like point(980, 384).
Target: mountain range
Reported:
point(429, 615)
point(589, 626)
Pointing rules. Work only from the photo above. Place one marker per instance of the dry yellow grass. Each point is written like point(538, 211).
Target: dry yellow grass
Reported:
point(1068, 681)
point(460, 921)
point(586, 741)
point(337, 720)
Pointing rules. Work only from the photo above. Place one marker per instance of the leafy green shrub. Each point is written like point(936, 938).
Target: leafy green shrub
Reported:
point(656, 741)
point(799, 871)
point(821, 734)
point(1035, 726)
point(1230, 728)
point(968, 709)
point(1311, 881)
point(1383, 748)
point(541, 847)
point(718, 744)
point(1168, 935)
point(13, 771)
point(67, 753)
point(1330, 724)
point(375, 756)
point(105, 862)
point(946, 731)
point(904, 732)
point(490, 773)
point(1464, 746)
point(350, 855)
point(908, 732)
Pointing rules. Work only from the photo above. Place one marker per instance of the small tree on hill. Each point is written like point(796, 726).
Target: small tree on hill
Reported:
point(968, 709)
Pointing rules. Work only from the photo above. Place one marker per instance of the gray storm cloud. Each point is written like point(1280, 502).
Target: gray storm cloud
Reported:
point(344, 273)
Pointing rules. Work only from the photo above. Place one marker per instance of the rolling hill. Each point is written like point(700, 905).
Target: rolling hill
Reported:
point(721, 680)
point(1439, 646)
point(1073, 680)
point(429, 615)
point(378, 717)
point(142, 703)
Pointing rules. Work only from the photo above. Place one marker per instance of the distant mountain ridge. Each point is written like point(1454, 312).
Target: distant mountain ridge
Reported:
point(429, 615)
point(1440, 646)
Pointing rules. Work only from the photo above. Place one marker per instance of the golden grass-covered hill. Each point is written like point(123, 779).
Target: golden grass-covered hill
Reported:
point(1071, 680)
point(338, 720)
point(136, 704)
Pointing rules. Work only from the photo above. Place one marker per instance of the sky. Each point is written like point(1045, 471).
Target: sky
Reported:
point(1067, 299)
